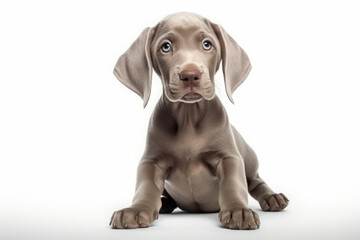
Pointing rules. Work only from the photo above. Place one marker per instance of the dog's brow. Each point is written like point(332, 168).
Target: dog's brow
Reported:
point(205, 34)
point(171, 36)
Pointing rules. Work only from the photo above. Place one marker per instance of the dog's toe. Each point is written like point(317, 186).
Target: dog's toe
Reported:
point(274, 202)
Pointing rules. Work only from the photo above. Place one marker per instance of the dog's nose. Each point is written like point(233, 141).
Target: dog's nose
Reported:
point(190, 76)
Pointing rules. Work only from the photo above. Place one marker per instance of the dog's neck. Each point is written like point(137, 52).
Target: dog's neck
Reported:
point(195, 115)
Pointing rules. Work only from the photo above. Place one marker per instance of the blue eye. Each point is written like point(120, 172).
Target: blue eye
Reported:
point(166, 47)
point(207, 45)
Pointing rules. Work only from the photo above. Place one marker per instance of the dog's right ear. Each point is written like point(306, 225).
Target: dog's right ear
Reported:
point(134, 67)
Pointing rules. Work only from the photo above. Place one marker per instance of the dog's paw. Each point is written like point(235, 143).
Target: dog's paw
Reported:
point(239, 218)
point(274, 202)
point(134, 217)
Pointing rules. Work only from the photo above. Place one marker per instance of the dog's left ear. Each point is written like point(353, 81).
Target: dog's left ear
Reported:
point(235, 62)
point(134, 67)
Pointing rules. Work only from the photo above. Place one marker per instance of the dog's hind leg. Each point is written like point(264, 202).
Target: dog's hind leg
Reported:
point(258, 189)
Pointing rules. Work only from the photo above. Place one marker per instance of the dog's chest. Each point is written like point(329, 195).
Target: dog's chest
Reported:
point(192, 150)
point(192, 181)
point(189, 144)
point(193, 184)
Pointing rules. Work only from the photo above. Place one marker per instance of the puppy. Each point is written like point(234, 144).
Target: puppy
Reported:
point(194, 157)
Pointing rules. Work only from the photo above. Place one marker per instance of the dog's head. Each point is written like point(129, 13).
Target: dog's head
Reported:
point(185, 50)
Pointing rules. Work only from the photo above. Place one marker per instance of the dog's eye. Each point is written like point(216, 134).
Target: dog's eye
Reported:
point(166, 47)
point(207, 45)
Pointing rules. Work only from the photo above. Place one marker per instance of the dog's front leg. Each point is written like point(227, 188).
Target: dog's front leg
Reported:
point(233, 196)
point(147, 199)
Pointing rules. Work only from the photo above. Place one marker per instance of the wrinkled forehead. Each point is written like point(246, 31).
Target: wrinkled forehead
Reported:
point(183, 23)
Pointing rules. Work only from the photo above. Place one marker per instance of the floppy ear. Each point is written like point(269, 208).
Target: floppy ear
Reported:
point(134, 67)
point(235, 62)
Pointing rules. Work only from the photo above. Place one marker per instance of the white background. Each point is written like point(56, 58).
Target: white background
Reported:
point(71, 135)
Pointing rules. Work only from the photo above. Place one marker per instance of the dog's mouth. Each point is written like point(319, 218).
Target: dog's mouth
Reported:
point(192, 97)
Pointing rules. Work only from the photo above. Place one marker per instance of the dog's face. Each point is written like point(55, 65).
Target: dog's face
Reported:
point(185, 50)
point(186, 54)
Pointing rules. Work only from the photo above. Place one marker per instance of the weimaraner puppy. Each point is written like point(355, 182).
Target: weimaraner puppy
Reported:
point(194, 157)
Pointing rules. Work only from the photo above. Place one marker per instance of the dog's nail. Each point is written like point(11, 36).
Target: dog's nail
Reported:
point(284, 197)
point(112, 217)
point(139, 220)
point(266, 206)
